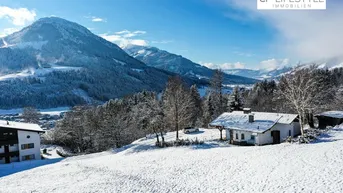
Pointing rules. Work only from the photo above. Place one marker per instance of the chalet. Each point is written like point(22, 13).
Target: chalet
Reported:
point(329, 118)
point(19, 141)
point(257, 128)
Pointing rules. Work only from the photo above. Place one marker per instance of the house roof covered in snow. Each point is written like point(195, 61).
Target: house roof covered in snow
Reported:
point(237, 120)
point(21, 126)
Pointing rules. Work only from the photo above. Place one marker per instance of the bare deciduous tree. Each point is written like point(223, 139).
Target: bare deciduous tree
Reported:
point(30, 115)
point(177, 104)
point(305, 89)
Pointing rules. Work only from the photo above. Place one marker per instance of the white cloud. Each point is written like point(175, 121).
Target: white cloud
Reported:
point(273, 64)
point(162, 42)
point(224, 66)
point(243, 54)
point(95, 19)
point(125, 37)
point(98, 19)
point(18, 16)
point(7, 31)
point(306, 34)
point(111, 38)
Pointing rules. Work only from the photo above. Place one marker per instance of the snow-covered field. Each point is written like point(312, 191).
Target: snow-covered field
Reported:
point(316, 167)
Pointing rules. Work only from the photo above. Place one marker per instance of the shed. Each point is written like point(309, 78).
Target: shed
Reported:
point(329, 118)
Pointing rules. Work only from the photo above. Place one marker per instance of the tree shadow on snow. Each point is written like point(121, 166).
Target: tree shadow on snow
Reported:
point(211, 145)
point(14, 167)
point(326, 137)
point(134, 148)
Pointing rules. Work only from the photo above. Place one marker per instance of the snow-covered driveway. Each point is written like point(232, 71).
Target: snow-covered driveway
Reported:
point(316, 167)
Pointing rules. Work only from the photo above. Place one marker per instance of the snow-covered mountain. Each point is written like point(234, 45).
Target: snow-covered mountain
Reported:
point(259, 74)
point(162, 59)
point(326, 63)
point(47, 64)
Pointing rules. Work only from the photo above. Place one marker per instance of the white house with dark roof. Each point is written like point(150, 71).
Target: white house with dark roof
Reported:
point(19, 141)
point(257, 128)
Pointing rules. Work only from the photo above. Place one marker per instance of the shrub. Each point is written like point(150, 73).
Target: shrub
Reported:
point(180, 142)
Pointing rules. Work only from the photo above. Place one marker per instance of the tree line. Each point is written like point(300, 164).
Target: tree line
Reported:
point(121, 121)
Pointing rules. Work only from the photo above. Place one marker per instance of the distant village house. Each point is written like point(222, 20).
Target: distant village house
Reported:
point(257, 128)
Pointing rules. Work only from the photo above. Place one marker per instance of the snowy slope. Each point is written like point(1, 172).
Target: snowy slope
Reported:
point(316, 167)
point(162, 59)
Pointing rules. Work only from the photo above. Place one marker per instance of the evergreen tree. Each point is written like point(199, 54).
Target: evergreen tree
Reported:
point(235, 101)
point(215, 103)
point(197, 110)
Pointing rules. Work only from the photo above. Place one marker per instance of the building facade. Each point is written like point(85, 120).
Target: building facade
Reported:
point(19, 142)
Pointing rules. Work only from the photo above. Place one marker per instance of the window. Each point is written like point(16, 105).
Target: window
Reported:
point(28, 157)
point(27, 146)
point(236, 135)
point(28, 136)
point(242, 136)
point(289, 133)
point(252, 137)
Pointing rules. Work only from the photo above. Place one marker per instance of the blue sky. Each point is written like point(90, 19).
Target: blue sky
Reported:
point(217, 33)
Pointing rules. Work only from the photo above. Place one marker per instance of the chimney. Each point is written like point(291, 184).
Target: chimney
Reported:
point(251, 118)
point(246, 110)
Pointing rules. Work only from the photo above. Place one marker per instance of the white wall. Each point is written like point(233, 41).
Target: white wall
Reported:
point(34, 138)
point(266, 138)
point(2, 149)
point(247, 135)
point(296, 128)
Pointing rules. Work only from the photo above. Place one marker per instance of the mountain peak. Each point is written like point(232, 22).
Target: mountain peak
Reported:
point(49, 29)
point(165, 60)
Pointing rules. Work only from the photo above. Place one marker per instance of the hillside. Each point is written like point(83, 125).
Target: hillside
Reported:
point(55, 62)
point(315, 167)
point(164, 60)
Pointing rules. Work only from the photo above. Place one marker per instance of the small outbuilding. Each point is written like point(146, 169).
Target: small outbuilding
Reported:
point(257, 128)
point(329, 118)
